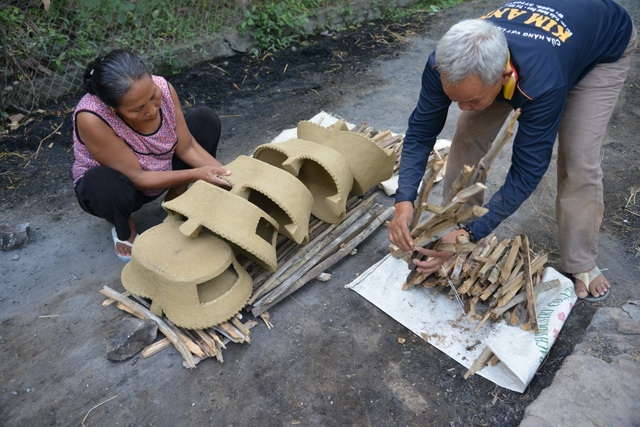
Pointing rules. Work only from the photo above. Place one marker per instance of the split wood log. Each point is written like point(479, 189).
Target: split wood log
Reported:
point(156, 347)
point(216, 338)
point(511, 259)
point(531, 299)
point(168, 332)
point(208, 344)
point(511, 289)
point(242, 328)
point(480, 172)
point(456, 203)
point(463, 179)
point(428, 180)
point(485, 163)
point(497, 312)
point(230, 332)
point(480, 362)
point(538, 289)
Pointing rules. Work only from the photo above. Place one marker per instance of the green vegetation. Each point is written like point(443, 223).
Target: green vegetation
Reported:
point(42, 38)
point(68, 30)
point(276, 24)
point(429, 6)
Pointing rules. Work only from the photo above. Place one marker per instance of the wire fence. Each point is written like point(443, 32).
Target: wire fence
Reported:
point(46, 44)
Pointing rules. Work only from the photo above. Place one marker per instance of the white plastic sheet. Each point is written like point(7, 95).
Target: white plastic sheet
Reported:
point(440, 321)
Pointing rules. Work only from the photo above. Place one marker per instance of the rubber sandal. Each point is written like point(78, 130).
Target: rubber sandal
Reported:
point(587, 278)
point(114, 236)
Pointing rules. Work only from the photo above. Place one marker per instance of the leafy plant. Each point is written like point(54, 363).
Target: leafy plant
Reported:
point(429, 6)
point(275, 25)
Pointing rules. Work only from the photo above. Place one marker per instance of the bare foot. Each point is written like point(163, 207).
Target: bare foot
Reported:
point(598, 287)
point(124, 249)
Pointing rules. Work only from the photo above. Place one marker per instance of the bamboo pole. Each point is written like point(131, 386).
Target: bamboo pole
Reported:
point(344, 250)
point(320, 251)
point(309, 251)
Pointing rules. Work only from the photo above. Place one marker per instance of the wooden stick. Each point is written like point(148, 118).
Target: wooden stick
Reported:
point(242, 328)
point(511, 259)
point(156, 347)
point(458, 201)
point(110, 301)
point(480, 362)
point(168, 332)
point(427, 184)
point(531, 299)
point(461, 181)
point(215, 336)
point(208, 344)
point(485, 163)
point(230, 332)
point(542, 287)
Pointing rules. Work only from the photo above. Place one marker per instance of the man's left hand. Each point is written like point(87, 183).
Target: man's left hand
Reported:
point(436, 259)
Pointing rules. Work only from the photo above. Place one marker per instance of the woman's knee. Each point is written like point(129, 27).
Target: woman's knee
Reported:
point(205, 126)
point(102, 188)
point(203, 116)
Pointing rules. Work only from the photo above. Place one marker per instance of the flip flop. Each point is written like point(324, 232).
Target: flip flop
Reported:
point(114, 236)
point(587, 278)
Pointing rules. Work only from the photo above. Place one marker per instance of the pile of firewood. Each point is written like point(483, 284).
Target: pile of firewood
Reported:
point(491, 279)
point(499, 275)
point(499, 278)
point(297, 266)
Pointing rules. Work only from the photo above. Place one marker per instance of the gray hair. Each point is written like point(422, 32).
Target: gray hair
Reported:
point(472, 47)
point(110, 77)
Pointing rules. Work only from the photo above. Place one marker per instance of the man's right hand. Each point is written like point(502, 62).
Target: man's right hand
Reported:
point(398, 230)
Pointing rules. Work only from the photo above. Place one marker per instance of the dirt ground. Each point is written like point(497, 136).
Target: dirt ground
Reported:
point(332, 358)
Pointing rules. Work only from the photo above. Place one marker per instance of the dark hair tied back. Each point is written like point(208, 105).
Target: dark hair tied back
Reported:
point(110, 77)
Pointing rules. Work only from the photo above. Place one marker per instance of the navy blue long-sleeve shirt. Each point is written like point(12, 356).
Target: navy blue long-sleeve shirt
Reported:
point(553, 44)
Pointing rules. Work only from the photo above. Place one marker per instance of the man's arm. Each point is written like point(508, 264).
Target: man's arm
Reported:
point(532, 151)
point(425, 124)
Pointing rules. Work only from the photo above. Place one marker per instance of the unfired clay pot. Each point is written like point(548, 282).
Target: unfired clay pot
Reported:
point(323, 170)
point(196, 283)
point(369, 163)
point(249, 229)
point(275, 191)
